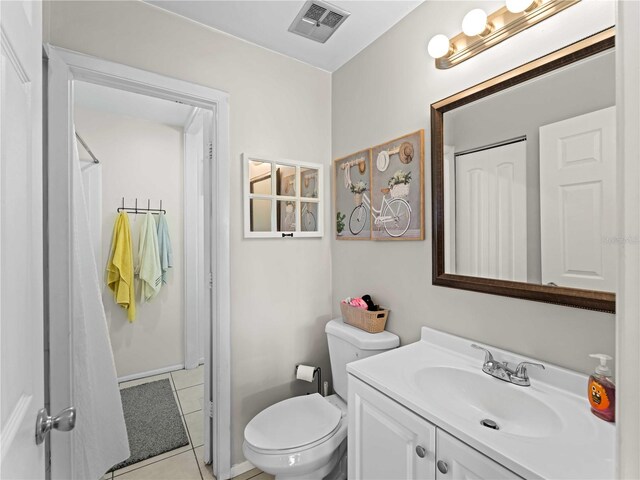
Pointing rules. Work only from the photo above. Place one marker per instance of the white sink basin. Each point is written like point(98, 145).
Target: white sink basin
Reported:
point(476, 396)
point(546, 430)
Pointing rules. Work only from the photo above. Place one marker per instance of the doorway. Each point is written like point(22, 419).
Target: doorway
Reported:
point(133, 154)
point(75, 81)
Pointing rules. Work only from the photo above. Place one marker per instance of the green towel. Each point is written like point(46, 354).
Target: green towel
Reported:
point(164, 246)
point(148, 270)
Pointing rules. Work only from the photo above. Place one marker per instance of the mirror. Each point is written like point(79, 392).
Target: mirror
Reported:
point(260, 215)
point(308, 182)
point(287, 214)
point(282, 198)
point(260, 177)
point(524, 172)
point(286, 180)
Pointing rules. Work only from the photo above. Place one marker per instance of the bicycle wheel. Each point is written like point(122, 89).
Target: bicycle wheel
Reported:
point(398, 215)
point(357, 219)
point(309, 222)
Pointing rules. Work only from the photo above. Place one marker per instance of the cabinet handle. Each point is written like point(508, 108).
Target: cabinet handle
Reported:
point(421, 451)
point(442, 466)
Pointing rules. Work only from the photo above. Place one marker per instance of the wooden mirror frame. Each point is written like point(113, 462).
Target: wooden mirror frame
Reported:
point(572, 297)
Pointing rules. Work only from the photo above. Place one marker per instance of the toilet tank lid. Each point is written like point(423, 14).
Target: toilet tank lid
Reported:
point(361, 339)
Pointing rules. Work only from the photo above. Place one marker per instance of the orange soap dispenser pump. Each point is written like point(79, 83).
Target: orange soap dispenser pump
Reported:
point(602, 390)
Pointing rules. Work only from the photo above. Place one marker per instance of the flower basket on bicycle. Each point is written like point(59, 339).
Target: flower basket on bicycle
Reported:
point(400, 190)
point(399, 184)
point(357, 199)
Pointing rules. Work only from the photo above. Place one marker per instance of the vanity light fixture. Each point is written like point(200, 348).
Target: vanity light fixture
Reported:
point(481, 31)
point(475, 23)
point(519, 6)
point(439, 46)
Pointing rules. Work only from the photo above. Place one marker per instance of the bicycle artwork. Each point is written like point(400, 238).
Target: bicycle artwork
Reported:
point(394, 215)
point(379, 193)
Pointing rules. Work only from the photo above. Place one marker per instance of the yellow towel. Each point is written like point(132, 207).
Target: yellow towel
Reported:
point(120, 266)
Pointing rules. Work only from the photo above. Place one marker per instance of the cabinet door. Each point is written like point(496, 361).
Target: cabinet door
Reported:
point(457, 460)
point(387, 441)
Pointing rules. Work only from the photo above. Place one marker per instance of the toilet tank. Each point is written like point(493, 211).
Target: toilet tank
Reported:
point(348, 344)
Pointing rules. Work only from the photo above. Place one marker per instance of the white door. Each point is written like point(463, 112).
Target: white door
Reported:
point(491, 213)
point(196, 284)
point(578, 201)
point(385, 439)
point(21, 247)
point(458, 461)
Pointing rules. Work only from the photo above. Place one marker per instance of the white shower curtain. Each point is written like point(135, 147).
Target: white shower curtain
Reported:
point(92, 185)
point(100, 436)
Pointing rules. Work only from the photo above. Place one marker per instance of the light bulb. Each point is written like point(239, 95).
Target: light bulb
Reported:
point(474, 23)
point(519, 6)
point(438, 46)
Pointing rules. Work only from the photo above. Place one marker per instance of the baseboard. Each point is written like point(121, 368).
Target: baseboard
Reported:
point(159, 371)
point(241, 468)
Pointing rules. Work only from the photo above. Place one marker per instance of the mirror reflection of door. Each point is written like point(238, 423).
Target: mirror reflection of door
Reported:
point(260, 209)
point(578, 201)
point(491, 212)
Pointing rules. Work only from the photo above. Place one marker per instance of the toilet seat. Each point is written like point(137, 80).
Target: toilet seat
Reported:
point(293, 424)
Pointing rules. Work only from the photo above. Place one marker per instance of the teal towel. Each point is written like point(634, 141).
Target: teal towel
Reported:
point(164, 247)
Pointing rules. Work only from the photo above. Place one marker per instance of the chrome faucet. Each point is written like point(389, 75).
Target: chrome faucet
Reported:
point(501, 370)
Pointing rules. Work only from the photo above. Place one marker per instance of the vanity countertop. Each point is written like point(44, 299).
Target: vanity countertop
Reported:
point(546, 430)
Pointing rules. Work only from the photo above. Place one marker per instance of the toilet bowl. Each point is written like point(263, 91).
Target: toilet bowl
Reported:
point(306, 437)
point(301, 437)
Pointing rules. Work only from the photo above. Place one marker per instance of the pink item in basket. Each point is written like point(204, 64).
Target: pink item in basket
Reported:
point(358, 303)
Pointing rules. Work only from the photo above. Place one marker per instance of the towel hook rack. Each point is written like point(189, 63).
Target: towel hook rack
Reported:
point(140, 210)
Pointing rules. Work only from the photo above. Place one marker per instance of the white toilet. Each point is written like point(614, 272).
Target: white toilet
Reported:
point(306, 437)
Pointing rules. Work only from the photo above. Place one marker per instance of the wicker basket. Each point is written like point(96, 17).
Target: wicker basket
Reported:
point(372, 322)
point(400, 190)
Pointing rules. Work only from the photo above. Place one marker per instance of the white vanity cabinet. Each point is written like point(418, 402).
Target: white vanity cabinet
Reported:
point(386, 440)
point(457, 460)
point(389, 441)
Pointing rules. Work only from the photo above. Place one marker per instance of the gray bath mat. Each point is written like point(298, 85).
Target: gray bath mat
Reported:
point(154, 424)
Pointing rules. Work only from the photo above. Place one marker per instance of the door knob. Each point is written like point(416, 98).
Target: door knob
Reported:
point(65, 421)
point(421, 451)
point(442, 466)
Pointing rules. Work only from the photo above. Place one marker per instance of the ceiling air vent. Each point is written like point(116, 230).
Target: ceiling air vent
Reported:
point(318, 20)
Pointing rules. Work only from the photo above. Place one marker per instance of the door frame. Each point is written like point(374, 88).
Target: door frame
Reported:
point(627, 299)
point(66, 66)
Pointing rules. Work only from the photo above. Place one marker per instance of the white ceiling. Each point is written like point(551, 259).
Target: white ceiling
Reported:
point(266, 23)
point(106, 99)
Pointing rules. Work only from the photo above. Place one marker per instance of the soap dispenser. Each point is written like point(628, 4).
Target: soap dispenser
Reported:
point(602, 390)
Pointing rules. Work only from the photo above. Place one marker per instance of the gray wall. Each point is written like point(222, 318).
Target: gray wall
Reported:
point(280, 291)
point(577, 89)
point(385, 92)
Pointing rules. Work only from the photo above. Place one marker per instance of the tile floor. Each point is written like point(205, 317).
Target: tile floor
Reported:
point(185, 463)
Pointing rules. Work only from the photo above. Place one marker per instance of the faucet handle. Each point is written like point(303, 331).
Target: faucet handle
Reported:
point(521, 369)
point(488, 358)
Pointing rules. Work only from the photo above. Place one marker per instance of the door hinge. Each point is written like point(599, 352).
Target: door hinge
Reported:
point(210, 150)
point(211, 280)
point(210, 409)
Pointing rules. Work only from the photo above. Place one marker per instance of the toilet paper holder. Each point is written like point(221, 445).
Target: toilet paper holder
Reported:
point(317, 371)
